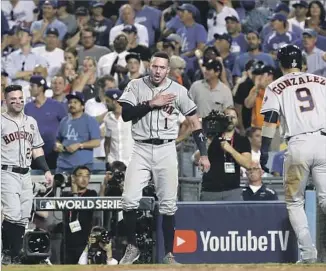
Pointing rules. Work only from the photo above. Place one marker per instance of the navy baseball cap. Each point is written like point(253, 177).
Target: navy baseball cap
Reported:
point(132, 55)
point(300, 4)
point(52, 3)
point(188, 7)
point(97, 4)
point(232, 17)
point(213, 64)
point(282, 7)
point(39, 80)
point(76, 95)
point(113, 93)
point(310, 32)
point(129, 28)
point(224, 36)
point(279, 16)
point(82, 11)
point(52, 31)
point(268, 69)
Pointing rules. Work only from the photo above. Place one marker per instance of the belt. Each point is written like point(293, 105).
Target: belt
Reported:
point(318, 132)
point(155, 141)
point(20, 170)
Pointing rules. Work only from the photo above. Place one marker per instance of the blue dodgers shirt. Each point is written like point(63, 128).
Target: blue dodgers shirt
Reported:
point(48, 118)
point(73, 131)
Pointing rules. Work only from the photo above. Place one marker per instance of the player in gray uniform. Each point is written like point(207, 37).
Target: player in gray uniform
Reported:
point(300, 100)
point(153, 103)
point(20, 142)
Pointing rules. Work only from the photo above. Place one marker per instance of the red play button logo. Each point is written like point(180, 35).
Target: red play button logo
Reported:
point(185, 241)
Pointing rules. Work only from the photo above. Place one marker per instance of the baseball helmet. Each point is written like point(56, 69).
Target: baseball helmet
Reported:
point(290, 57)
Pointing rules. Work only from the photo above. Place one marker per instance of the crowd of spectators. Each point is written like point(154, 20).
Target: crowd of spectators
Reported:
point(223, 51)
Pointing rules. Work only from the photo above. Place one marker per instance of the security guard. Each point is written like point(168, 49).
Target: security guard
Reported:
point(256, 190)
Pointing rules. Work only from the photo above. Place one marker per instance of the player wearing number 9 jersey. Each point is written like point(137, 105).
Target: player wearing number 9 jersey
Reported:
point(20, 142)
point(299, 99)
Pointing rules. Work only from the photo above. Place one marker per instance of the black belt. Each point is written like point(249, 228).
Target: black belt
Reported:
point(20, 170)
point(155, 141)
point(321, 132)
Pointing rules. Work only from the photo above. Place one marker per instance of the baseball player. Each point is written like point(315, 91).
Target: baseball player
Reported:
point(20, 142)
point(153, 103)
point(299, 99)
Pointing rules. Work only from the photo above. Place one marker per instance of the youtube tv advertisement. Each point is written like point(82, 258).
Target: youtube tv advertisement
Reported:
point(231, 233)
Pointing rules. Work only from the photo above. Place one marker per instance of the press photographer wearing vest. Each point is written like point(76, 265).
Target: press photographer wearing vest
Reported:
point(78, 223)
point(227, 152)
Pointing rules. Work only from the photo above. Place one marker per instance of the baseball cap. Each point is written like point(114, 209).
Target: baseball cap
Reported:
point(52, 3)
point(224, 36)
point(232, 17)
point(76, 95)
point(279, 16)
point(268, 69)
point(96, 4)
point(132, 55)
point(38, 80)
point(82, 11)
point(129, 28)
point(174, 37)
point(52, 31)
point(213, 64)
point(301, 4)
point(310, 32)
point(257, 67)
point(282, 7)
point(113, 94)
point(188, 7)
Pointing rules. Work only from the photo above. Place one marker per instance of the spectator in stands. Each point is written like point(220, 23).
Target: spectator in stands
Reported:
point(148, 16)
point(87, 79)
point(76, 241)
point(216, 18)
point(316, 17)
point(254, 136)
point(316, 58)
point(51, 53)
point(70, 75)
point(9, 43)
point(20, 63)
point(58, 86)
point(71, 56)
point(193, 35)
point(4, 25)
point(48, 113)
point(211, 94)
point(233, 27)
point(127, 15)
point(177, 68)
point(101, 25)
point(4, 84)
point(280, 35)
point(134, 47)
point(170, 45)
point(114, 63)
point(170, 20)
point(256, 190)
point(18, 12)
point(277, 165)
point(222, 181)
point(39, 28)
point(300, 14)
point(254, 52)
point(78, 135)
point(68, 19)
point(254, 18)
point(82, 18)
point(133, 66)
point(241, 91)
point(89, 48)
point(223, 44)
point(118, 140)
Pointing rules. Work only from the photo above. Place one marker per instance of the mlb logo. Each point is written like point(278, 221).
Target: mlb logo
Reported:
point(47, 205)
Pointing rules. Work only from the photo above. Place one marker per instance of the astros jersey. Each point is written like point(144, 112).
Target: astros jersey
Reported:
point(300, 100)
point(160, 123)
point(18, 139)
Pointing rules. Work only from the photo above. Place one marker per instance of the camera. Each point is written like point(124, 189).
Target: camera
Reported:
point(62, 180)
point(216, 123)
point(100, 235)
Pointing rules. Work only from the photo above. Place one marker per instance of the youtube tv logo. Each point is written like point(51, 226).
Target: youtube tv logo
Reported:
point(185, 241)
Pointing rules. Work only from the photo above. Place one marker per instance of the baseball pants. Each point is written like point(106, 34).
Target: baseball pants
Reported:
point(306, 154)
point(152, 161)
point(16, 197)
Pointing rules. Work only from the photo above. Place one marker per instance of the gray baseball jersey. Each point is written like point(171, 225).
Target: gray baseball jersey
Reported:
point(162, 123)
point(18, 138)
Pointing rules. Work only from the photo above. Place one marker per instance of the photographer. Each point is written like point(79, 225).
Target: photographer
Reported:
point(99, 248)
point(227, 151)
point(78, 223)
point(113, 181)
